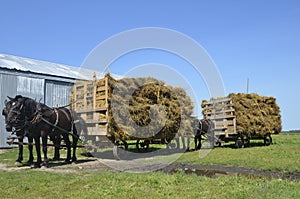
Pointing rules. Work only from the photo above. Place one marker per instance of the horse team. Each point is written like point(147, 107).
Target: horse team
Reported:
point(28, 118)
point(36, 121)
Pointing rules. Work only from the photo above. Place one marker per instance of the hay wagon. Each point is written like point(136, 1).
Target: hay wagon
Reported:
point(91, 101)
point(243, 117)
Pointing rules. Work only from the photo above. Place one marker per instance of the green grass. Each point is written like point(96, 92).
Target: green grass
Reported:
point(11, 155)
point(283, 155)
point(139, 185)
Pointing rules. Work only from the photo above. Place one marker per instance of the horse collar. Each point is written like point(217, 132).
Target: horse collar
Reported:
point(57, 119)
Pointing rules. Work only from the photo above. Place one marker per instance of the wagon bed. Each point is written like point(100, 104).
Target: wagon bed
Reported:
point(223, 114)
point(90, 100)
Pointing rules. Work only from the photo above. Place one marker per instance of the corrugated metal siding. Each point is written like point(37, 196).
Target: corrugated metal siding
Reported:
point(57, 93)
point(53, 93)
point(8, 87)
point(31, 87)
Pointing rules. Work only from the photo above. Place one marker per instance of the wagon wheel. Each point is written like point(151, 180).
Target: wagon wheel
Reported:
point(172, 143)
point(267, 140)
point(142, 145)
point(89, 145)
point(239, 142)
point(119, 149)
point(247, 142)
point(219, 143)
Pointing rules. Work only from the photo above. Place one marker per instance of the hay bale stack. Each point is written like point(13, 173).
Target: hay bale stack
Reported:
point(255, 114)
point(140, 96)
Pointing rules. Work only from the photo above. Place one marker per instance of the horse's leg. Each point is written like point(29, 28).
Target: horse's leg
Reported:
point(44, 143)
point(75, 140)
point(200, 142)
point(30, 148)
point(183, 142)
point(188, 143)
point(56, 142)
point(177, 143)
point(197, 142)
point(20, 155)
point(38, 152)
point(68, 144)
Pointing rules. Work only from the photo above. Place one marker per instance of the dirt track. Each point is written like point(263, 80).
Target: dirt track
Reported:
point(92, 164)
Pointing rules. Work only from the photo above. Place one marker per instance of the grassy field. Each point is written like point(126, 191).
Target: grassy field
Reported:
point(139, 185)
point(282, 156)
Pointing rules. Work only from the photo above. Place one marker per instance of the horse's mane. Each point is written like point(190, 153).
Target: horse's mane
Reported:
point(33, 103)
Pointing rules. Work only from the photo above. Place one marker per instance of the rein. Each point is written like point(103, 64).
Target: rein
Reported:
point(57, 127)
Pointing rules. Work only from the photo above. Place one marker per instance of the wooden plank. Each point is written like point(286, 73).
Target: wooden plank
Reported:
point(221, 117)
point(213, 101)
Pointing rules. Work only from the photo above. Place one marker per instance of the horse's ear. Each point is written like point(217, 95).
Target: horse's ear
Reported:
point(10, 98)
point(19, 97)
point(5, 102)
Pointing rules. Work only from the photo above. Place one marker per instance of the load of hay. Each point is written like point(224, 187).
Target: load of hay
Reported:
point(142, 108)
point(255, 114)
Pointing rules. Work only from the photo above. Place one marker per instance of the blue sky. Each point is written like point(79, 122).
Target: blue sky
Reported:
point(259, 40)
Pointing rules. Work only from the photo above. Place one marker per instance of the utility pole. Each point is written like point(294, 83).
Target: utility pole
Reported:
point(247, 85)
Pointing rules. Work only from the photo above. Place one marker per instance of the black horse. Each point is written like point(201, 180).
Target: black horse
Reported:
point(204, 127)
point(18, 130)
point(42, 121)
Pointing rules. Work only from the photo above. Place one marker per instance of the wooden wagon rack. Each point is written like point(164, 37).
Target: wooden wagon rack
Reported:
point(222, 112)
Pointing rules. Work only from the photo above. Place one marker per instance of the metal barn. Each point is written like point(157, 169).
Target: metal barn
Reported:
point(45, 81)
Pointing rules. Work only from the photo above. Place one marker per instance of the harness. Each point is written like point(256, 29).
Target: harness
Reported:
point(56, 121)
point(38, 117)
point(55, 125)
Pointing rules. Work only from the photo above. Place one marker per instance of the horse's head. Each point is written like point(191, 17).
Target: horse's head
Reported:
point(5, 112)
point(12, 112)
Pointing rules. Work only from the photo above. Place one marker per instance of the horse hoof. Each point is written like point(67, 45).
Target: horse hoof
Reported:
point(45, 165)
point(35, 166)
point(17, 163)
point(29, 163)
point(68, 162)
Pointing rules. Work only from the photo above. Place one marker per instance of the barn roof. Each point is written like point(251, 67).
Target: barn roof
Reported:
point(47, 68)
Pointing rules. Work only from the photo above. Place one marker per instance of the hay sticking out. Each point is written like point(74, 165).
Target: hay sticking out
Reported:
point(255, 114)
point(144, 98)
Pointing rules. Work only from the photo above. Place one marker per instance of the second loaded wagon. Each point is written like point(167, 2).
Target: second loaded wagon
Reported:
point(243, 117)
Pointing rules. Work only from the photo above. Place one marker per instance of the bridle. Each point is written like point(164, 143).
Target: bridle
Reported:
point(16, 123)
